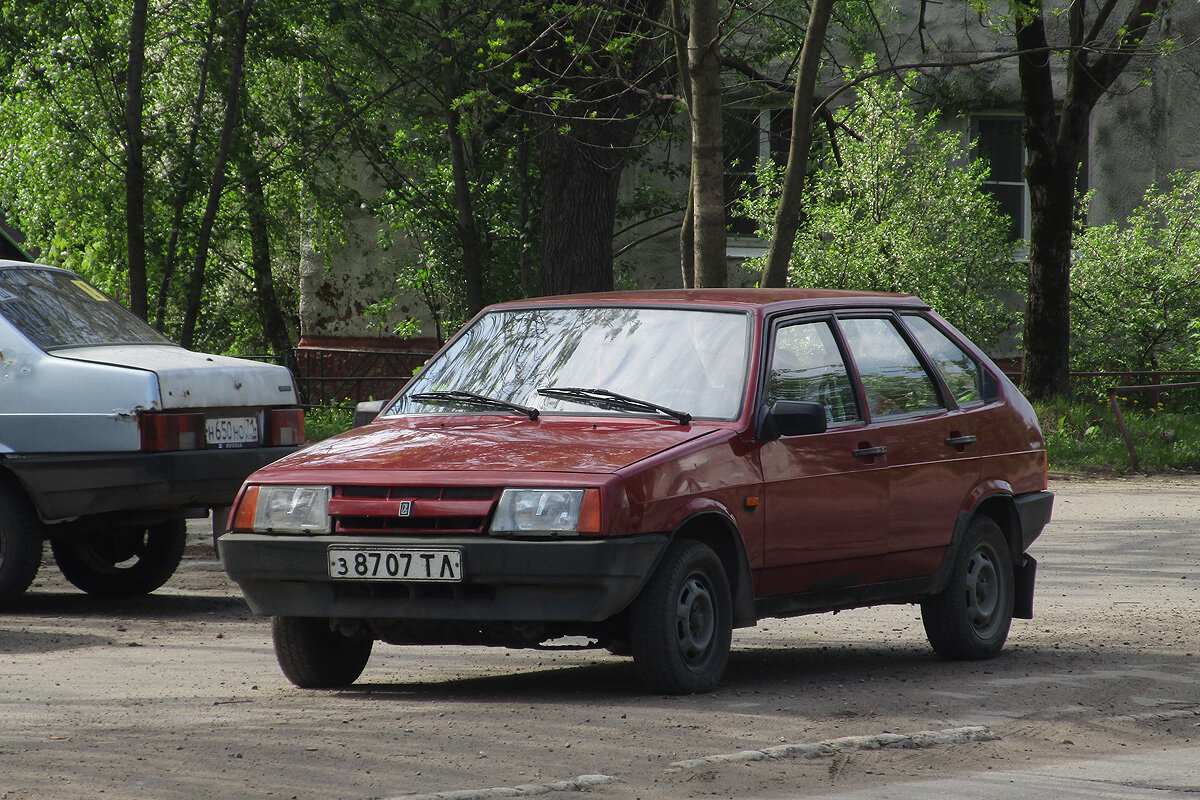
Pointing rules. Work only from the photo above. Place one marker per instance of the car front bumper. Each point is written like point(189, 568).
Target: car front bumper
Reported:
point(504, 580)
point(68, 485)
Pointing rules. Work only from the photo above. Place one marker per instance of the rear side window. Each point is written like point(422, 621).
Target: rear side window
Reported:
point(961, 373)
point(807, 365)
point(892, 376)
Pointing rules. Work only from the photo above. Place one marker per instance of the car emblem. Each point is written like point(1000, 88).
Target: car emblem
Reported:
point(405, 509)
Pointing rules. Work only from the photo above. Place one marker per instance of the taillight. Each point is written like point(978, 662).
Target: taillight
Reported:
point(285, 426)
point(163, 432)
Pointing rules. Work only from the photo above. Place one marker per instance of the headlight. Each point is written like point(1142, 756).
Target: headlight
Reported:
point(290, 509)
point(547, 512)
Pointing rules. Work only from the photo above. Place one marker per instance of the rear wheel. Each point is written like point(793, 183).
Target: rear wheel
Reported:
point(680, 626)
point(314, 656)
point(20, 544)
point(970, 618)
point(123, 560)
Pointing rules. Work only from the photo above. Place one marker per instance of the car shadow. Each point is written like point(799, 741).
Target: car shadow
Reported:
point(800, 667)
point(151, 606)
point(611, 677)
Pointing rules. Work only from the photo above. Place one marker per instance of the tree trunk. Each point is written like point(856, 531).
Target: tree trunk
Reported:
point(232, 115)
point(468, 233)
point(184, 189)
point(787, 215)
point(708, 150)
point(581, 171)
point(275, 327)
point(135, 171)
point(1055, 144)
point(687, 230)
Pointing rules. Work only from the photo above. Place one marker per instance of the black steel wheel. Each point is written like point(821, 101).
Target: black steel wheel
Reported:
point(123, 560)
point(314, 656)
point(969, 619)
point(20, 544)
point(680, 626)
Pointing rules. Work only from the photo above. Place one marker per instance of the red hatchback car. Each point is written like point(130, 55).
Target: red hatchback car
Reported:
point(652, 470)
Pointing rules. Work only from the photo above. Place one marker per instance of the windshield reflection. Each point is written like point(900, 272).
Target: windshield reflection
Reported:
point(694, 361)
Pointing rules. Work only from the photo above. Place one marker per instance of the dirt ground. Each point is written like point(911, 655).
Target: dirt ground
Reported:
point(178, 695)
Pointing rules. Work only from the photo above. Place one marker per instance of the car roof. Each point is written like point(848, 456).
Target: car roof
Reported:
point(765, 300)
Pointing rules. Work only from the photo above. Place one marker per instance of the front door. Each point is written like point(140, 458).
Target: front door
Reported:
point(825, 495)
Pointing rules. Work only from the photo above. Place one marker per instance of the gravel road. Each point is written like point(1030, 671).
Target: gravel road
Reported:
point(177, 695)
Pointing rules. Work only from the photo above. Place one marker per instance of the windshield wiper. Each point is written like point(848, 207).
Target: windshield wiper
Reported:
point(612, 401)
point(470, 398)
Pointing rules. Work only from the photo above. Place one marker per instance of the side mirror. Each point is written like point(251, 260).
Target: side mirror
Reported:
point(366, 411)
point(791, 418)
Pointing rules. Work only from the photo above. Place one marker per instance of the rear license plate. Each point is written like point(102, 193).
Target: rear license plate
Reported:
point(395, 564)
point(231, 431)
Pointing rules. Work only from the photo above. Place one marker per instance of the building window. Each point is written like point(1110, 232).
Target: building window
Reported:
point(752, 137)
point(998, 139)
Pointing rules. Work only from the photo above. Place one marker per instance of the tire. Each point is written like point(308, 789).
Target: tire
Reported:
point(122, 561)
point(314, 656)
point(681, 624)
point(20, 544)
point(969, 619)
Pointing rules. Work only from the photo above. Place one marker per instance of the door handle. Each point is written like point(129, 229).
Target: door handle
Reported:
point(870, 452)
point(960, 441)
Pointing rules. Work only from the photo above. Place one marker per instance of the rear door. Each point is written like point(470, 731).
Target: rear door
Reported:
point(932, 460)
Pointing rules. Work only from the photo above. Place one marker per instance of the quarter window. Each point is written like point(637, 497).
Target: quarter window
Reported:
point(807, 365)
point(960, 372)
point(894, 381)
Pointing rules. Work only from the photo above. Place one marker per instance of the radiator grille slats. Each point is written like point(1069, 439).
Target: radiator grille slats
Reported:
point(433, 510)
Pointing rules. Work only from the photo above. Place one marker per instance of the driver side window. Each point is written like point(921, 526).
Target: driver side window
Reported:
point(807, 365)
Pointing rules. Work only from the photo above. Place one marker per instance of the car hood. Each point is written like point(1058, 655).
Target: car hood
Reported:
point(548, 444)
point(196, 380)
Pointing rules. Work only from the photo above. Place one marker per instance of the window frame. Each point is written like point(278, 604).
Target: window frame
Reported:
point(830, 320)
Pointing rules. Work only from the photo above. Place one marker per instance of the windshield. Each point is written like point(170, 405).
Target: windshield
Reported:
point(59, 309)
point(693, 361)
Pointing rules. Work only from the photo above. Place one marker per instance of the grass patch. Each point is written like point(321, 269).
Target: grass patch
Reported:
point(1084, 437)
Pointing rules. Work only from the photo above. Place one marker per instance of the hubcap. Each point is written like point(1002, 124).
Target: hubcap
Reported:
point(983, 589)
point(695, 619)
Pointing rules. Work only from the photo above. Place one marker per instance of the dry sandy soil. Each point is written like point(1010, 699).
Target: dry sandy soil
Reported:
point(178, 695)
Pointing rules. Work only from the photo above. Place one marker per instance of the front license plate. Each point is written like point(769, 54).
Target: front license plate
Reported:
point(231, 431)
point(395, 564)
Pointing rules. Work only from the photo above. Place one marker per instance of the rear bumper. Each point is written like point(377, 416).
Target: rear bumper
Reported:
point(68, 485)
point(1033, 510)
point(504, 580)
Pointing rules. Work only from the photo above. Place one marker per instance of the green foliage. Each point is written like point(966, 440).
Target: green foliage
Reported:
point(1136, 287)
point(902, 211)
point(321, 422)
point(1084, 437)
point(62, 145)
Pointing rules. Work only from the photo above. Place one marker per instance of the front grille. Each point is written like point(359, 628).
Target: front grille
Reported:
point(434, 510)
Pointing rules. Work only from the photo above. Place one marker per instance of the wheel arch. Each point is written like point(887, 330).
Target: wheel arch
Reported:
point(721, 534)
point(10, 481)
point(1001, 509)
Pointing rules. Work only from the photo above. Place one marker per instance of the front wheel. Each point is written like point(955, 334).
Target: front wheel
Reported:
point(969, 619)
point(124, 560)
point(314, 656)
point(680, 626)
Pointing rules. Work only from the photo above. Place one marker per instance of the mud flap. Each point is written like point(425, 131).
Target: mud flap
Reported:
point(1023, 598)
